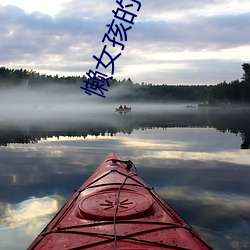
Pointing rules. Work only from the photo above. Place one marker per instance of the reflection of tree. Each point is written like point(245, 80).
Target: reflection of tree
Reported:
point(236, 122)
point(246, 141)
point(222, 120)
point(16, 137)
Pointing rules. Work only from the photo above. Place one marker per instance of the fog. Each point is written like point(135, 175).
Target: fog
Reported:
point(60, 102)
point(41, 102)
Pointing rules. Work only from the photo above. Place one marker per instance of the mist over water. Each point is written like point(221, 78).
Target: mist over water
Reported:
point(58, 109)
point(68, 103)
point(46, 102)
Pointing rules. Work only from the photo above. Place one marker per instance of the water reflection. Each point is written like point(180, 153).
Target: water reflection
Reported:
point(31, 210)
point(111, 123)
point(20, 222)
point(199, 169)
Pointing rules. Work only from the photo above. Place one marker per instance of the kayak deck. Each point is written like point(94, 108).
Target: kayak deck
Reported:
point(116, 209)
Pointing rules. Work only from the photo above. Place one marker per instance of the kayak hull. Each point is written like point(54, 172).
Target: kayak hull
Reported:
point(116, 209)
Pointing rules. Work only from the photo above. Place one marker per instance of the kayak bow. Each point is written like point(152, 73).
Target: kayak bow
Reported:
point(116, 209)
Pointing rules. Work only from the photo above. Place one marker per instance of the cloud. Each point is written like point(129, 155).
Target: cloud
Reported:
point(90, 9)
point(201, 32)
point(168, 40)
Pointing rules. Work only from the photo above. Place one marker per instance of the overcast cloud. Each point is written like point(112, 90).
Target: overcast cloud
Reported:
point(172, 42)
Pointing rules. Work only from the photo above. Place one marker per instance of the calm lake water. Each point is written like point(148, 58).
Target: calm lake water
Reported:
point(197, 160)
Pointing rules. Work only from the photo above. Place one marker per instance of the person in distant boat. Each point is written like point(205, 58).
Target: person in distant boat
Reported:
point(125, 106)
point(120, 107)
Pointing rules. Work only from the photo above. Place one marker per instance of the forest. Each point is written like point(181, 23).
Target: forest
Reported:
point(224, 93)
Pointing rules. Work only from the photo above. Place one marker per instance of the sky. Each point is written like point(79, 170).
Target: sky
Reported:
point(171, 42)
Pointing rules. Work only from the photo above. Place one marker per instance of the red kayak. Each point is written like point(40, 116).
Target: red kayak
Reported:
point(116, 209)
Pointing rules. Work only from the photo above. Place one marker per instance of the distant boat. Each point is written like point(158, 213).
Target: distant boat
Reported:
point(125, 110)
point(190, 106)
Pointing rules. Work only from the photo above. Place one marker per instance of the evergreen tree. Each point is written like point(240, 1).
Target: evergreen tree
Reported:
point(246, 69)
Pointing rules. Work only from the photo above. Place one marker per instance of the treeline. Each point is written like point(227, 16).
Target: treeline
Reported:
point(159, 93)
point(31, 78)
point(237, 91)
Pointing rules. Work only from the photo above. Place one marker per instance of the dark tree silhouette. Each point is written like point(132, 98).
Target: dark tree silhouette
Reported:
point(220, 94)
point(246, 75)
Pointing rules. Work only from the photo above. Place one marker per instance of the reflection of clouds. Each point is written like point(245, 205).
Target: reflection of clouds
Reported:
point(227, 240)
point(147, 144)
point(210, 186)
point(29, 213)
point(156, 140)
point(79, 138)
point(222, 219)
point(22, 222)
point(228, 203)
point(237, 157)
point(2, 209)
